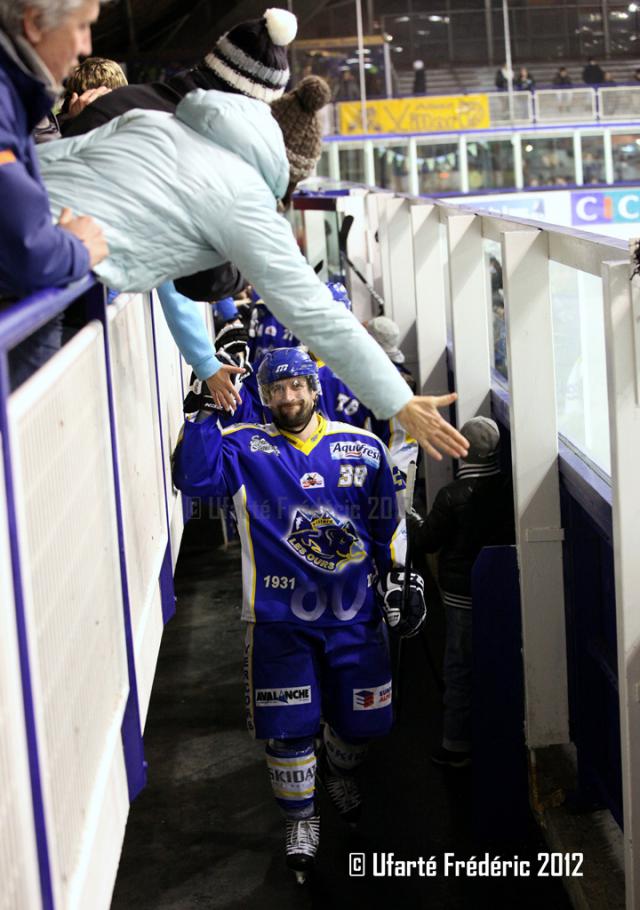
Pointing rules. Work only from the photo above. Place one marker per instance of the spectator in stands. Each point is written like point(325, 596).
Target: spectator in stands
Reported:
point(562, 77)
point(593, 73)
point(592, 170)
point(472, 512)
point(608, 79)
point(348, 89)
point(636, 76)
point(177, 194)
point(502, 78)
point(419, 78)
point(524, 81)
point(92, 78)
point(39, 43)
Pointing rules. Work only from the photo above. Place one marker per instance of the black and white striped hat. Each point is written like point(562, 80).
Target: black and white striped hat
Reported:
point(252, 56)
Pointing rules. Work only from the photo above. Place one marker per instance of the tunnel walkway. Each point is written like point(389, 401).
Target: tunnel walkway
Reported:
point(205, 833)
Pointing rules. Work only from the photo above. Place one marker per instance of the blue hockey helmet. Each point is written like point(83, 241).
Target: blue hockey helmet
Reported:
point(339, 293)
point(226, 309)
point(285, 363)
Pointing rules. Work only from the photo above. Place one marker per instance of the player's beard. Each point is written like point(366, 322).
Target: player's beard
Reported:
point(293, 417)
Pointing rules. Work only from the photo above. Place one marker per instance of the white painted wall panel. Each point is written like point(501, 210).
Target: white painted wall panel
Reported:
point(140, 466)
point(69, 551)
point(18, 860)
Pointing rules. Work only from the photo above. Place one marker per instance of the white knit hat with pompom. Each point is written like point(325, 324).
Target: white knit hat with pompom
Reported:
point(252, 57)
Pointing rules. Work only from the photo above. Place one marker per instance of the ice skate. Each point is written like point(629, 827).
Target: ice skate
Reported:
point(303, 838)
point(342, 789)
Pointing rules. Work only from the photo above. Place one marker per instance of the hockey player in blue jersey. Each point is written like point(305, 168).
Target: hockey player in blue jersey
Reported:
point(319, 513)
point(266, 333)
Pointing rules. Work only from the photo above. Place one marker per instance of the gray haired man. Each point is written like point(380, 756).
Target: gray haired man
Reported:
point(40, 41)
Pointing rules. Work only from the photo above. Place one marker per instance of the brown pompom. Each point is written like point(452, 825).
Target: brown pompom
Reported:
point(312, 93)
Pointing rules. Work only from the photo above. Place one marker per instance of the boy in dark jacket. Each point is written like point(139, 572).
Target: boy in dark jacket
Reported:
point(473, 512)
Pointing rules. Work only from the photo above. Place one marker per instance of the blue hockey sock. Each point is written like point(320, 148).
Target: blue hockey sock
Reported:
point(292, 770)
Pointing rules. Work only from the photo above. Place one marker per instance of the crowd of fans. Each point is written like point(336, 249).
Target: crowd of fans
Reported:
point(592, 75)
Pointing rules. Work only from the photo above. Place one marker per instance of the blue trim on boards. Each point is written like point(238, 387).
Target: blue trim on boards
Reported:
point(39, 820)
point(131, 727)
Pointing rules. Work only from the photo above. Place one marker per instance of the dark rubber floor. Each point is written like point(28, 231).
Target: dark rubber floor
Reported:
point(205, 833)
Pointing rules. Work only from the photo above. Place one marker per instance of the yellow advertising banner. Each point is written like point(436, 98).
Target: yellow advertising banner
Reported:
point(430, 114)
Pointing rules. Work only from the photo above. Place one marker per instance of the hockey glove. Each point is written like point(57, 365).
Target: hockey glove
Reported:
point(198, 398)
point(232, 348)
point(403, 617)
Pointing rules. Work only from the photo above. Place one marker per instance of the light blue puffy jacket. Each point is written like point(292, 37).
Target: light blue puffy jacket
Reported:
point(179, 194)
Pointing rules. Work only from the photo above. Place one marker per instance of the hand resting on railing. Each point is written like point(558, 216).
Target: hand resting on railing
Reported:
point(88, 231)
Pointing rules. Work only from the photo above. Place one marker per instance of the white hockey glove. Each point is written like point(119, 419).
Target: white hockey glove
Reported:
point(403, 618)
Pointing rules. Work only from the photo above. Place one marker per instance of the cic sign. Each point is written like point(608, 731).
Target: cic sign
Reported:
point(605, 207)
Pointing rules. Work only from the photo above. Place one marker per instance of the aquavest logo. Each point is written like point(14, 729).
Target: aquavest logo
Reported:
point(605, 207)
point(323, 540)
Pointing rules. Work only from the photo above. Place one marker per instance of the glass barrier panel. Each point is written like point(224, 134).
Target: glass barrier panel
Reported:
point(444, 248)
point(626, 156)
point(558, 105)
point(316, 232)
point(438, 168)
point(352, 163)
point(391, 167)
point(592, 159)
point(322, 167)
point(589, 32)
point(331, 231)
point(415, 35)
point(548, 161)
point(623, 28)
point(579, 353)
point(500, 112)
point(622, 103)
point(296, 217)
point(338, 63)
point(493, 268)
point(490, 164)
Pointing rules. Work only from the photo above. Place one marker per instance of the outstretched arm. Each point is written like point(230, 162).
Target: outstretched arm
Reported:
point(260, 242)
